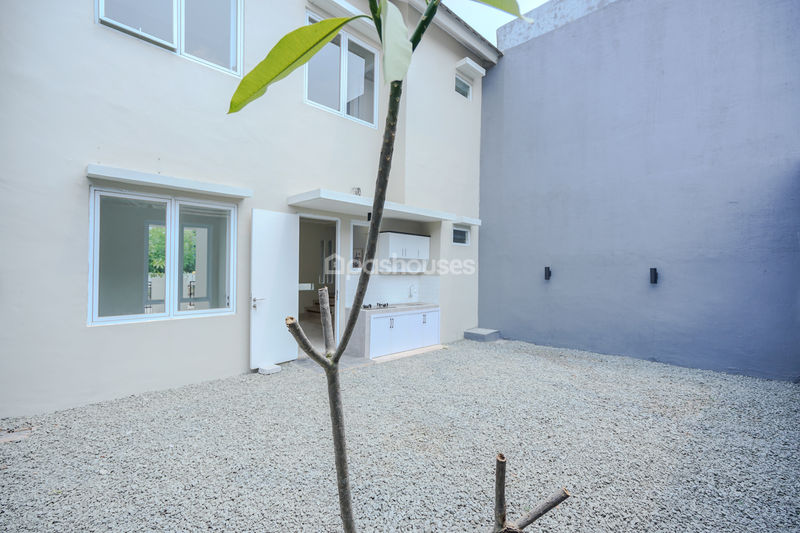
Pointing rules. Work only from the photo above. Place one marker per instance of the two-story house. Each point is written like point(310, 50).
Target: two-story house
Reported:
point(151, 240)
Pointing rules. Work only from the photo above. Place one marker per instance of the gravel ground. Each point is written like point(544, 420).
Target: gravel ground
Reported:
point(642, 447)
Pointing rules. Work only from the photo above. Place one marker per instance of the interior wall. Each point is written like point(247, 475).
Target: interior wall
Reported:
point(312, 232)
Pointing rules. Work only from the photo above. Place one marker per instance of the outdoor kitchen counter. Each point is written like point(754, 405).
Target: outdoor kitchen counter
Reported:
point(359, 344)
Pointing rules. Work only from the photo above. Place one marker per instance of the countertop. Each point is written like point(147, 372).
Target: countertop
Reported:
point(397, 308)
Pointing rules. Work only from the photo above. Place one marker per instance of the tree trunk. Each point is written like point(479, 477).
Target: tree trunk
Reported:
point(340, 448)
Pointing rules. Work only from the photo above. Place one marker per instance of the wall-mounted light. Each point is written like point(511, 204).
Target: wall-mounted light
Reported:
point(653, 276)
point(547, 273)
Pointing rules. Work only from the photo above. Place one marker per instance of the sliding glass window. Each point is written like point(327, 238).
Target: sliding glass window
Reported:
point(159, 257)
point(207, 31)
point(204, 265)
point(341, 78)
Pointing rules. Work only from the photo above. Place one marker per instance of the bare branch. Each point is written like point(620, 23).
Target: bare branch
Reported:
point(302, 341)
point(500, 494)
point(327, 323)
point(541, 509)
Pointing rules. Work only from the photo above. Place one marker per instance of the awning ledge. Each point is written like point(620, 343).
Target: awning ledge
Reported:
point(350, 204)
point(123, 175)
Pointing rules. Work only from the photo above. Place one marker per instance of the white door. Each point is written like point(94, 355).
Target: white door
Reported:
point(274, 267)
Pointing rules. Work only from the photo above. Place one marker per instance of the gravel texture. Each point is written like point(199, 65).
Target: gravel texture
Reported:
point(641, 446)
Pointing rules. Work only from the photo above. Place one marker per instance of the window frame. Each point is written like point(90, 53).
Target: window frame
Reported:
point(466, 82)
point(179, 35)
point(230, 261)
point(465, 229)
point(342, 112)
point(172, 226)
point(353, 224)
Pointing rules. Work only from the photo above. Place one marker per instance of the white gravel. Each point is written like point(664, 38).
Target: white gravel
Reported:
point(641, 446)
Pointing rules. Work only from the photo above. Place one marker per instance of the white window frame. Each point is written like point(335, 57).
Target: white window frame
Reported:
point(342, 111)
point(467, 83)
point(178, 34)
point(171, 299)
point(353, 224)
point(466, 229)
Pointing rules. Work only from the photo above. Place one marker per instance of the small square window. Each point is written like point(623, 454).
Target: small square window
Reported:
point(463, 88)
point(461, 236)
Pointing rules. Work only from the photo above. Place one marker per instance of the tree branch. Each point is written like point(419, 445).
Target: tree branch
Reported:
point(424, 22)
point(376, 17)
point(327, 323)
point(541, 509)
point(381, 183)
point(302, 341)
point(500, 494)
point(331, 365)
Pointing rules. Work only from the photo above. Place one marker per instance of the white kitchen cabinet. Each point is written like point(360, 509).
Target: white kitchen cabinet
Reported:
point(399, 332)
point(392, 245)
point(401, 253)
point(430, 328)
point(381, 338)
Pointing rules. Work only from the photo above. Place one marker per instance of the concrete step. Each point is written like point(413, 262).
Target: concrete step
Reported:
point(482, 334)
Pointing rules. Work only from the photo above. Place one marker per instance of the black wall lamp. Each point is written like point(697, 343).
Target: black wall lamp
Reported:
point(653, 276)
point(547, 273)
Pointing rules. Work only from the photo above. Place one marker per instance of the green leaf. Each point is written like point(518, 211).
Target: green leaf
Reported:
point(509, 6)
point(396, 46)
point(292, 51)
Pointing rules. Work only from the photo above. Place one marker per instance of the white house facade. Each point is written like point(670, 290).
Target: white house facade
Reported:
point(152, 240)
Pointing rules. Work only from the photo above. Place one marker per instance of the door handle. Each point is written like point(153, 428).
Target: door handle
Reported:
point(424, 318)
point(256, 300)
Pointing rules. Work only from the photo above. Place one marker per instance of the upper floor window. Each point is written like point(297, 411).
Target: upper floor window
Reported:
point(205, 31)
point(341, 78)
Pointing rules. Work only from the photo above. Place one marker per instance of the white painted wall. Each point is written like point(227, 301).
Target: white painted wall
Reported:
point(75, 92)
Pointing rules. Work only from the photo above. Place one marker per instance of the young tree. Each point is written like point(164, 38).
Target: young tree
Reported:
point(291, 52)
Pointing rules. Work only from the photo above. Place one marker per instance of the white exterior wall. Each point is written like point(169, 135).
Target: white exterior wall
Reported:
point(443, 166)
point(75, 92)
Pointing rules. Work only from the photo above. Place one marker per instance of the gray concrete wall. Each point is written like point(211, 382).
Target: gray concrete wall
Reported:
point(649, 133)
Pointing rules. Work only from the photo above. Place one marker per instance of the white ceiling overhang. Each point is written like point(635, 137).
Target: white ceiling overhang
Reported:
point(159, 181)
point(350, 204)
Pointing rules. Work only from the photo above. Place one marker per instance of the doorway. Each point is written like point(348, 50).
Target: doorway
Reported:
point(318, 267)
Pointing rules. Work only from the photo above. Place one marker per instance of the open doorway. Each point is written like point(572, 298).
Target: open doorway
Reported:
point(319, 248)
